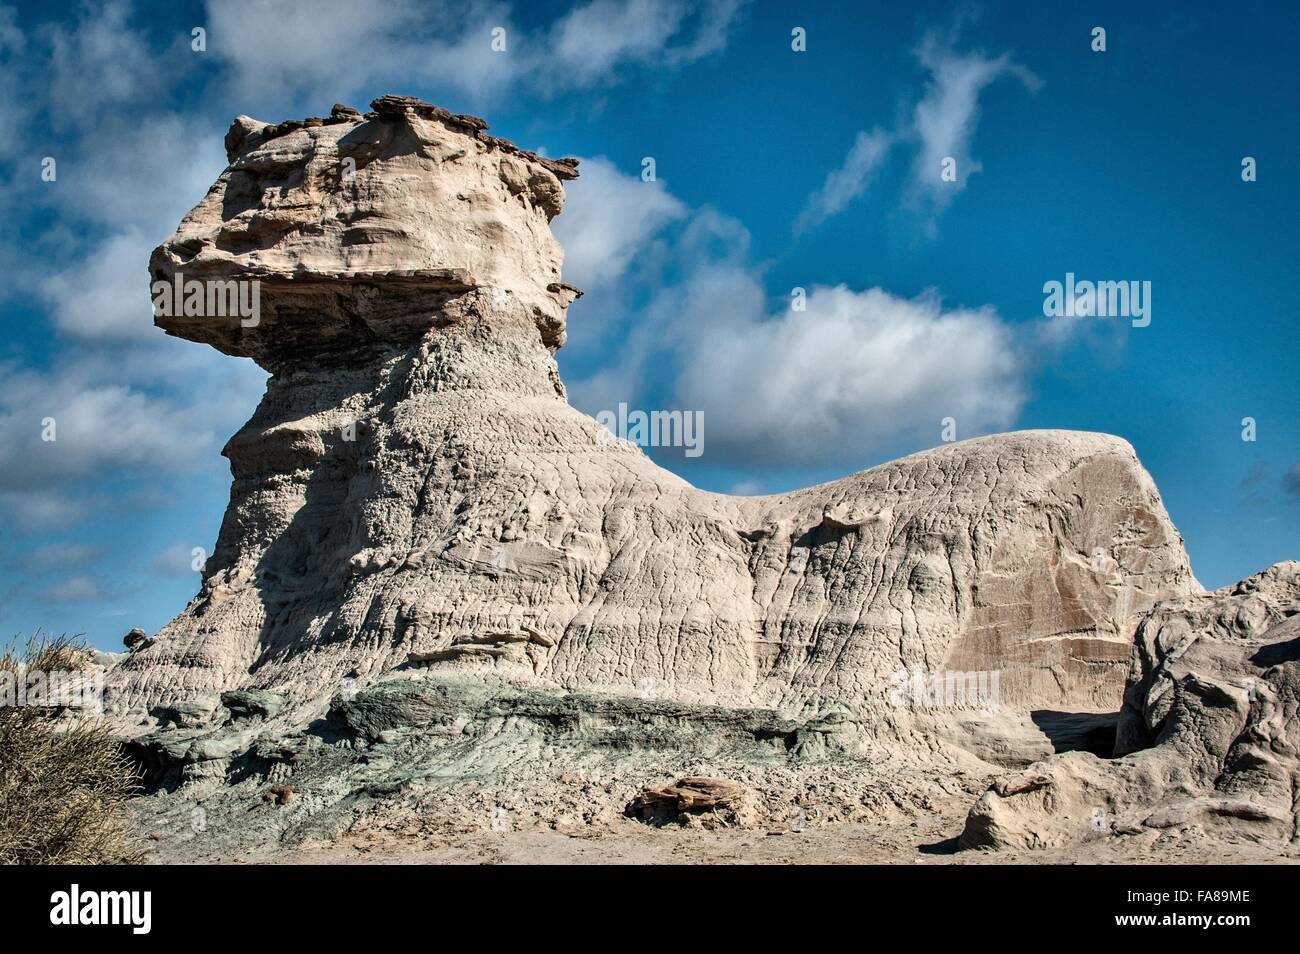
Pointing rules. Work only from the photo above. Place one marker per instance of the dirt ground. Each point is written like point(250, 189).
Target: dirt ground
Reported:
point(931, 841)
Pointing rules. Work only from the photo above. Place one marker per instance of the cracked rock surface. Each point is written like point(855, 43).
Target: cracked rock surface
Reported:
point(1208, 740)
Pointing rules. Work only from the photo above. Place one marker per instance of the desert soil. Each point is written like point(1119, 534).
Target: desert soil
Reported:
point(930, 841)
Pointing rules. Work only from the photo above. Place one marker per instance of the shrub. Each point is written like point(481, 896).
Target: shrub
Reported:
point(63, 778)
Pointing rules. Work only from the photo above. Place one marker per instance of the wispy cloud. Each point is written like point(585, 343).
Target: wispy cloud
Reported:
point(948, 114)
point(63, 555)
point(939, 130)
point(76, 589)
point(847, 182)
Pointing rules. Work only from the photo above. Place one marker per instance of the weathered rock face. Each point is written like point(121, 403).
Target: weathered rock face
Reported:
point(414, 485)
point(1209, 736)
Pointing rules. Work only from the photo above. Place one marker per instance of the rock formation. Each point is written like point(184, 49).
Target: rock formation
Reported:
point(1208, 739)
point(414, 481)
point(425, 540)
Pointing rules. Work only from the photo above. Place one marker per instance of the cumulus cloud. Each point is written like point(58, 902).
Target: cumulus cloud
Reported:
point(332, 47)
point(97, 64)
point(113, 422)
point(74, 421)
point(145, 413)
point(124, 399)
point(853, 372)
point(608, 218)
point(144, 172)
point(105, 296)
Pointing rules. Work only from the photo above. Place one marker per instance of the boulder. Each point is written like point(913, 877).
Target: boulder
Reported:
point(694, 796)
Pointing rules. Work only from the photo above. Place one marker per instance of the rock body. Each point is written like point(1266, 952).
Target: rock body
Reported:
point(1208, 742)
point(415, 498)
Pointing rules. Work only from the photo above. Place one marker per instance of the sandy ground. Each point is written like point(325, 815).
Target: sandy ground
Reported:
point(931, 841)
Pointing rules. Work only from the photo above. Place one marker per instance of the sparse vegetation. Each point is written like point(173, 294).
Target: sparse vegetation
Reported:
point(63, 777)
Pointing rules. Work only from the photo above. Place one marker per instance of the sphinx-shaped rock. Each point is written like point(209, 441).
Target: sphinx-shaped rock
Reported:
point(415, 498)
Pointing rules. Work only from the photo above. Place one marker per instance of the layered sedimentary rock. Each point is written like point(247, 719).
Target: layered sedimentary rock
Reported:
point(1208, 741)
point(414, 496)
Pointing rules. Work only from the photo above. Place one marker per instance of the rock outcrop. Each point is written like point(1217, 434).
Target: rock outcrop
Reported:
point(415, 498)
point(1208, 742)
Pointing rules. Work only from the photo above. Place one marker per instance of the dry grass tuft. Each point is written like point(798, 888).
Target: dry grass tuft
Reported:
point(63, 781)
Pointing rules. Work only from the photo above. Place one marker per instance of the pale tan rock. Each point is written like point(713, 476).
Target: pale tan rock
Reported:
point(416, 305)
point(1209, 737)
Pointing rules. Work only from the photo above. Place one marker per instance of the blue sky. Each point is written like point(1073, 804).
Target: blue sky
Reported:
point(775, 169)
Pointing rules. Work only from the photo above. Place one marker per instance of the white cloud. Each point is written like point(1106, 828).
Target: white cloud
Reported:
point(105, 296)
point(143, 172)
point(335, 39)
point(36, 507)
point(176, 560)
point(99, 64)
point(590, 42)
point(76, 589)
point(854, 372)
point(328, 48)
point(941, 126)
point(608, 218)
point(847, 182)
point(97, 424)
point(945, 119)
point(63, 555)
point(127, 402)
point(143, 414)
point(112, 417)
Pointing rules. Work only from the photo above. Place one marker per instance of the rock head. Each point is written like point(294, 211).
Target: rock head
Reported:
point(364, 231)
